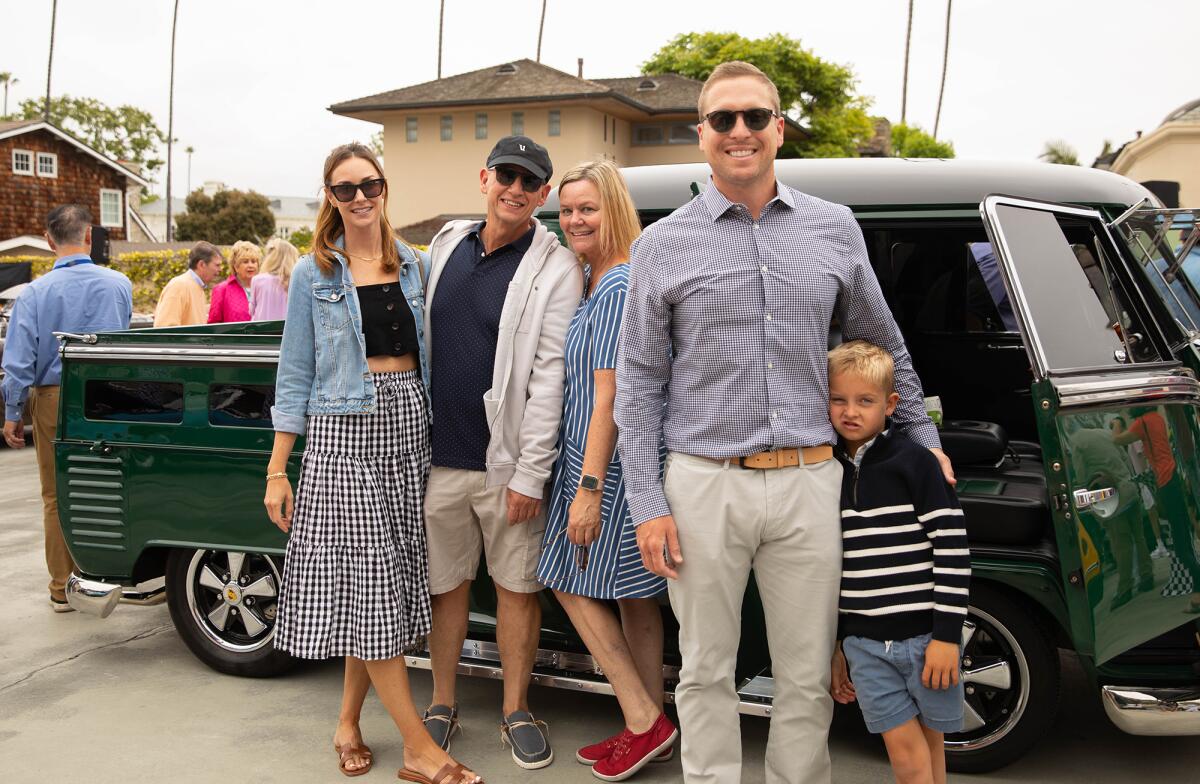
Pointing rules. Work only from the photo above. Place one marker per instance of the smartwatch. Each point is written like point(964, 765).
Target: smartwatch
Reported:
point(589, 482)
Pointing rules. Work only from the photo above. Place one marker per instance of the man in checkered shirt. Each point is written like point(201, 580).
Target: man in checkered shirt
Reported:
point(723, 356)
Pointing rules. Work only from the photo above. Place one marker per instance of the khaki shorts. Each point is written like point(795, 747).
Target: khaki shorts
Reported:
point(463, 518)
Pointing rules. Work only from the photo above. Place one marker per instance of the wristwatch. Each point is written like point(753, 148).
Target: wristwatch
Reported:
point(589, 482)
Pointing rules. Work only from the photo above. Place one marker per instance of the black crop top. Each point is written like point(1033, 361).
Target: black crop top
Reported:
point(387, 322)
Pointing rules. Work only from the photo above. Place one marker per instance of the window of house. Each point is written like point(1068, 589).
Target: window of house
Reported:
point(646, 134)
point(555, 128)
point(47, 164)
point(518, 123)
point(481, 125)
point(240, 405)
point(410, 129)
point(133, 401)
point(614, 130)
point(22, 162)
point(447, 127)
point(110, 207)
point(683, 133)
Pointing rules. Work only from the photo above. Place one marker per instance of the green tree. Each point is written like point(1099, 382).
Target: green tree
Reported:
point(813, 91)
point(225, 217)
point(302, 238)
point(910, 141)
point(1058, 151)
point(126, 133)
point(376, 143)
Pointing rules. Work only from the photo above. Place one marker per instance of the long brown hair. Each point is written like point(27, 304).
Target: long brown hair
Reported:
point(329, 220)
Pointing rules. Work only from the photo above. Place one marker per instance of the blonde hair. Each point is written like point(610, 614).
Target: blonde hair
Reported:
point(243, 251)
point(735, 69)
point(279, 260)
point(329, 220)
point(619, 226)
point(865, 360)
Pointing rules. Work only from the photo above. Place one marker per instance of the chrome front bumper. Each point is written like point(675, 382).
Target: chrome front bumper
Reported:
point(98, 598)
point(1160, 711)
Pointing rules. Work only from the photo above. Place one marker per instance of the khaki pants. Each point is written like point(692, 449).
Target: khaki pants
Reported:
point(785, 524)
point(43, 407)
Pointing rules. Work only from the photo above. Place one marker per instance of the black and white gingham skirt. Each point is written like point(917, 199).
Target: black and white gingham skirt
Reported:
point(356, 574)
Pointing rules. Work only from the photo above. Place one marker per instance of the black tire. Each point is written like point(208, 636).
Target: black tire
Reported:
point(1006, 645)
point(223, 605)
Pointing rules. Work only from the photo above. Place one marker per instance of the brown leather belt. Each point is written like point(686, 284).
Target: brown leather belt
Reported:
point(781, 458)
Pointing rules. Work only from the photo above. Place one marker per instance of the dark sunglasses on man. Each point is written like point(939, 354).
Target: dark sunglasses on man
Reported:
point(723, 120)
point(344, 191)
point(506, 175)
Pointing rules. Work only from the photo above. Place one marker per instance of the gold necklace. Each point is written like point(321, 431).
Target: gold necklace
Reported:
point(364, 258)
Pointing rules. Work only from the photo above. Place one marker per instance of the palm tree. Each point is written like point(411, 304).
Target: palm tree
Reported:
point(907, 45)
point(945, 62)
point(50, 60)
point(441, 22)
point(7, 79)
point(541, 26)
point(171, 120)
point(189, 150)
point(1058, 151)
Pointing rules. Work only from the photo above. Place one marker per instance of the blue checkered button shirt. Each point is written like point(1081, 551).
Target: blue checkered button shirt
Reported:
point(723, 343)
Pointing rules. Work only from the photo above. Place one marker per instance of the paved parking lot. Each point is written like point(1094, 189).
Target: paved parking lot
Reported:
point(122, 700)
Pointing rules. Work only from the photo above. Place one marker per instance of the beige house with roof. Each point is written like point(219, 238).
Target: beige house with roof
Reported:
point(1169, 153)
point(437, 135)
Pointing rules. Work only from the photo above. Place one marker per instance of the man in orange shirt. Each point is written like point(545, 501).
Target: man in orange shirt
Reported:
point(182, 301)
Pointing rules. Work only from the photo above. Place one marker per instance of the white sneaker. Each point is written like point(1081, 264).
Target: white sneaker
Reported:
point(1159, 552)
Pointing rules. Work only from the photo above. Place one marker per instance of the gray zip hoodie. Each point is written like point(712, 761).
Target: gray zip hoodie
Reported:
point(524, 405)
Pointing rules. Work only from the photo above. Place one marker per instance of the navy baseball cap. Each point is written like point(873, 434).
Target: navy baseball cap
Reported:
point(524, 152)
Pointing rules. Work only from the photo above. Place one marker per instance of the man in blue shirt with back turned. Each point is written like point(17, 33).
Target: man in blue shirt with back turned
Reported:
point(75, 296)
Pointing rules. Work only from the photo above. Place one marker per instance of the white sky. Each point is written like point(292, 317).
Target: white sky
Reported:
point(253, 78)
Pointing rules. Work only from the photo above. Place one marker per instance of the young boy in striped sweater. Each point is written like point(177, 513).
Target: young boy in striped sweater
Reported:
point(905, 571)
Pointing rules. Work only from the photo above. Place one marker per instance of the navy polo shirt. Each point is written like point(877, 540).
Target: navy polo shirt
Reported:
point(464, 321)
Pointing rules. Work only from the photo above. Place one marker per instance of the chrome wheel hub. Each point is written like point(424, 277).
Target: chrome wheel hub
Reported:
point(232, 597)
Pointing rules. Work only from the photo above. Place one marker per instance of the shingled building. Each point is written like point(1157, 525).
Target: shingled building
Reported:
point(437, 135)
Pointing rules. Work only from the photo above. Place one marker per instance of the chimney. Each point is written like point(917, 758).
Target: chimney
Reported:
point(580, 67)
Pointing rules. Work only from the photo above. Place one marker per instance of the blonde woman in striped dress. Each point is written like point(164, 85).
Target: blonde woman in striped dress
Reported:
point(590, 552)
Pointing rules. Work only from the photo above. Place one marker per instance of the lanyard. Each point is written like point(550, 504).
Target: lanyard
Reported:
point(72, 263)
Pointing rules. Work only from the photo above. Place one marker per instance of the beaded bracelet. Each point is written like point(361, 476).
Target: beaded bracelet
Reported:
point(280, 475)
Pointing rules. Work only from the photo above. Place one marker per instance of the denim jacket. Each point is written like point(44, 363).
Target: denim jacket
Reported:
point(322, 358)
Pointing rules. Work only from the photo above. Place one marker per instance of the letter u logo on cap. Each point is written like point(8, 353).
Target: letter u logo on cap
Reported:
point(522, 146)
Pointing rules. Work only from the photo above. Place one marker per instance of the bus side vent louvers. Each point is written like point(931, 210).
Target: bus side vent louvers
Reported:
point(95, 507)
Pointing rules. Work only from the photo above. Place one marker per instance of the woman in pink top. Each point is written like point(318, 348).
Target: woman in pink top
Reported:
point(268, 289)
point(231, 299)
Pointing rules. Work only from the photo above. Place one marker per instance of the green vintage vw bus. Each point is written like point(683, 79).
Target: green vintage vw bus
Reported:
point(1052, 322)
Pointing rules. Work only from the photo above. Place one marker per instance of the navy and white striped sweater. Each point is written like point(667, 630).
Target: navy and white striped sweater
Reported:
point(906, 565)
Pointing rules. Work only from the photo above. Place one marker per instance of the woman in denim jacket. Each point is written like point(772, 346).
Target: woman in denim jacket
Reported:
point(352, 378)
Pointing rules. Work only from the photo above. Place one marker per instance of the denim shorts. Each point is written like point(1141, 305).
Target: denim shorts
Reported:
point(887, 681)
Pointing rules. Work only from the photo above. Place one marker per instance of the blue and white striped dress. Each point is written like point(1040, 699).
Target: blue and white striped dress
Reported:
point(614, 567)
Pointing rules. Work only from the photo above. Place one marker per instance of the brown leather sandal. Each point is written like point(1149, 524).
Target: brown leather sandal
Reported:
point(450, 773)
point(348, 750)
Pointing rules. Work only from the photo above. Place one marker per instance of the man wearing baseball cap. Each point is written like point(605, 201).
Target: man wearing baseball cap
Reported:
point(500, 297)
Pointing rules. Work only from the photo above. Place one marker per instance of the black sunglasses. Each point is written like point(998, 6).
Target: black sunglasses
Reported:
point(344, 191)
point(506, 176)
point(723, 120)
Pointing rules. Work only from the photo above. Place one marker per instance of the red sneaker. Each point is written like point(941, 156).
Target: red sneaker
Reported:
point(590, 755)
point(630, 752)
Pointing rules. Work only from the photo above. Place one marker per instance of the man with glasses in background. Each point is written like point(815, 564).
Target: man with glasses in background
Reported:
point(723, 356)
point(500, 297)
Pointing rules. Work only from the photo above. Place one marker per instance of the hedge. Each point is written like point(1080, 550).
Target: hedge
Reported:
point(149, 271)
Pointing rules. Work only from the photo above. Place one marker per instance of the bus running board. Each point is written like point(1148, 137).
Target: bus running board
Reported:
point(580, 672)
